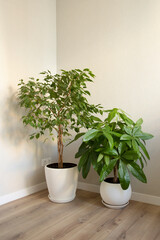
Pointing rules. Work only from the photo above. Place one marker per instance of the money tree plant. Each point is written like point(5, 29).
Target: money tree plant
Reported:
point(116, 144)
point(57, 103)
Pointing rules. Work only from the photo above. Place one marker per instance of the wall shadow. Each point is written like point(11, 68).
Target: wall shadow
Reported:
point(28, 154)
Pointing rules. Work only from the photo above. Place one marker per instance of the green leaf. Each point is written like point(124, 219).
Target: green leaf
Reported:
point(126, 119)
point(136, 130)
point(82, 160)
point(111, 152)
point(141, 162)
point(135, 146)
point(86, 166)
point(137, 172)
point(143, 157)
point(139, 122)
point(116, 134)
point(130, 155)
point(123, 175)
point(76, 138)
point(143, 148)
point(94, 158)
point(128, 130)
point(31, 137)
point(121, 147)
point(109, 137)
point(111, 115)
point(129, 143)
point(90, 135)
point(97, 166)
point(106, 170)
point(37, 135)
point(100, 156)
point(82, 149)
point(144, 136)
point(126, 137)
point(96, 119)
point(106, 128)
point(106, 159)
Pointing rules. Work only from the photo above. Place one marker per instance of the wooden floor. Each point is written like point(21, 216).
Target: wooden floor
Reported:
point(36, 218)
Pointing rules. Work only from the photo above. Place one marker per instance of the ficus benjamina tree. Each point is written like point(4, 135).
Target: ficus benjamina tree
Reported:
point(57, 103)
point(116, 144)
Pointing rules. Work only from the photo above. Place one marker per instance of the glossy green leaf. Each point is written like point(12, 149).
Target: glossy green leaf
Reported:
point(135, 146)
point(126, 119)
point(130, 155)
point(144, 136)
point(82, 149)
point(121, 147)
point(129, 143)
point(82, 160)
point(96, 165)
point(139, 122)
point(111, 152)
point(106, 170)
point(137, 172)
point(94, 158)
point(106, 159)
point(76, 138)
point(111, 115)
point(136, 130)
point(100, 157)
point(144, 159)
point(116, 134)
point(90, 135)
point(86, 166)
point(128, 130)
point(123, 175)
point(126, 137)
point(109, 137)
point(143, 148)
point(96, 119)
point(141, 162)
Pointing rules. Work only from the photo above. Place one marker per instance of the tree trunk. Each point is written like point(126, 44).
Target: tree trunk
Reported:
point(115, 179)
point(60, 147)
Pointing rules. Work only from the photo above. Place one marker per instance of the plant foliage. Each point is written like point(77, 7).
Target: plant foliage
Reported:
point(57, 103)
point(115, 144)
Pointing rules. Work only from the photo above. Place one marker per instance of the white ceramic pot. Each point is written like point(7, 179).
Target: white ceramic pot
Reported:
point(61, 182)
point(113, 196)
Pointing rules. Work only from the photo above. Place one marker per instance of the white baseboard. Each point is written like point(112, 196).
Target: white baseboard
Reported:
point(22, 193)
point(140, 197)
point(81, 185)
point(135, 196)
point(88, 187)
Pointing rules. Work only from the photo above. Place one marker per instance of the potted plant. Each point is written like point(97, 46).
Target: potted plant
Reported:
point(55, 104)
point(116, 144)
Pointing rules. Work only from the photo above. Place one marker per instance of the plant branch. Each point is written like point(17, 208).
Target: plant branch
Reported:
point(115, 179)
point(69, 92)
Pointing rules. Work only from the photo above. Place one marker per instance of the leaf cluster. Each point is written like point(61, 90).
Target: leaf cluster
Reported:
point(57, 100)
point(117, 140)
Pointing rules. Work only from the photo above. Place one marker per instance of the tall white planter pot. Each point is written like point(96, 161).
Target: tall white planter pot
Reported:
point(113, 196)
point(61, 182)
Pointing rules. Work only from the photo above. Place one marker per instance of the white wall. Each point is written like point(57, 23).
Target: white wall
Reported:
point(27, 47)
point(119, 40)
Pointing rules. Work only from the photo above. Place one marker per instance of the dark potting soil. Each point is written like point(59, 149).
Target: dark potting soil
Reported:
point(110, 180)
point(65, 165)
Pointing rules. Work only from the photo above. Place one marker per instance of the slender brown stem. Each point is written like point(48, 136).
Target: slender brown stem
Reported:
point(60, 134)
point(60, 147)
point(115, 179)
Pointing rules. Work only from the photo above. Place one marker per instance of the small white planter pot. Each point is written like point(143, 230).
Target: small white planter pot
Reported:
point(113, 196)
point(61, 182)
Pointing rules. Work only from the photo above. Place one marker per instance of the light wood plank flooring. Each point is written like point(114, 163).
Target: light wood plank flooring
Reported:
point(36, 218)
